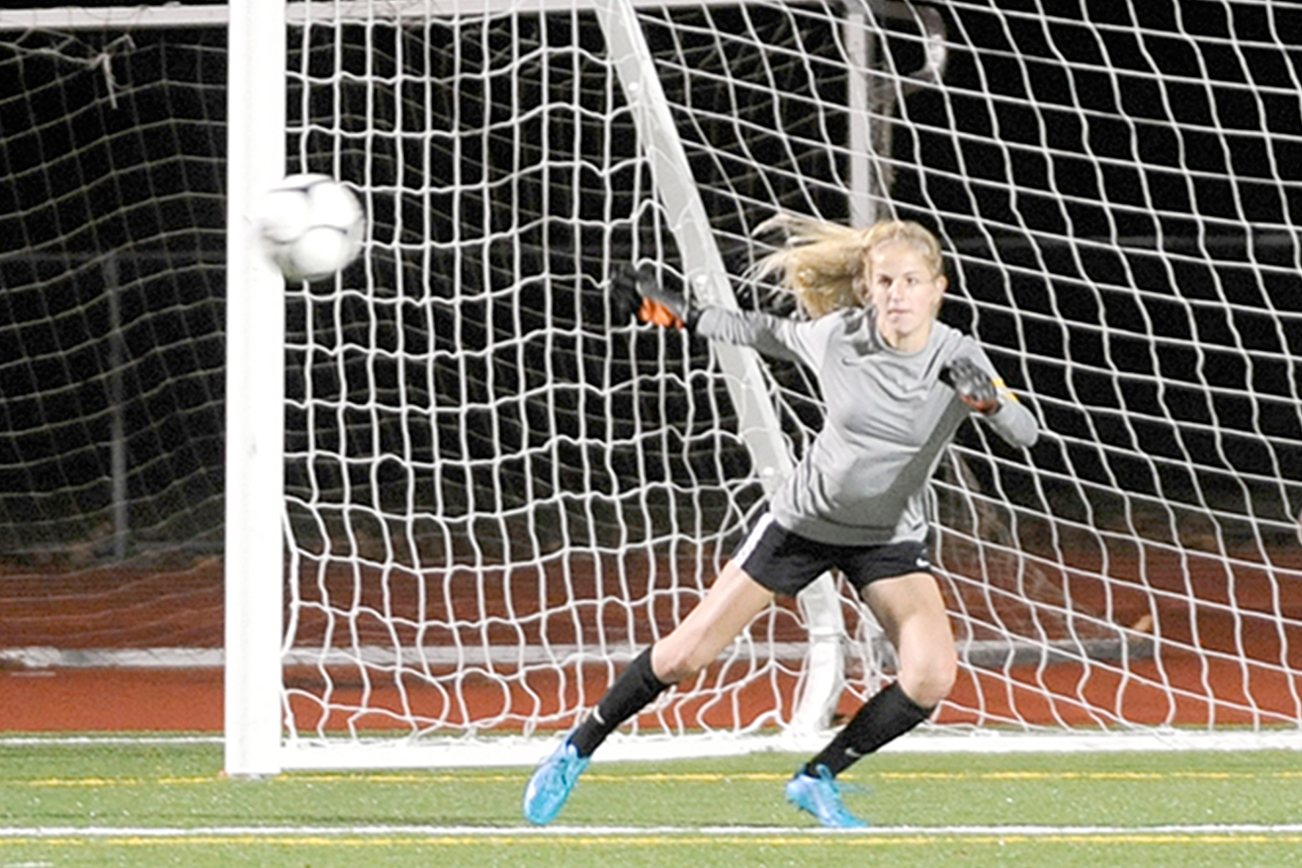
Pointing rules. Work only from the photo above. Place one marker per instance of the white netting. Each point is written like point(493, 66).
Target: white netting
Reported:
point(497, 494)
point(111, 353)
point(505, 494)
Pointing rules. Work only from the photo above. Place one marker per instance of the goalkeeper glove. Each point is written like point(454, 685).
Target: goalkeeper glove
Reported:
point(974, 386)
point(636, 292)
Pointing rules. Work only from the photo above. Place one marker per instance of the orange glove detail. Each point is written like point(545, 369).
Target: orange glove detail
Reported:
point(637, 292)
point(655, 313)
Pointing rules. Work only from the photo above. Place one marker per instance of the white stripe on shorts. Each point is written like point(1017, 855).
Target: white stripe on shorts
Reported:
point(753, 538)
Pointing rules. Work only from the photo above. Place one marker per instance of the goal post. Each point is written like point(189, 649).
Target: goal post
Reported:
point(255, 395)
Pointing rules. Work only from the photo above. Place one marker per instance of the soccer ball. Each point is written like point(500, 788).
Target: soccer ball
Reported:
point(311, 226)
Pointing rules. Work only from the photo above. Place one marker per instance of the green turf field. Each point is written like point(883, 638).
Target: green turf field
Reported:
point(165, 803)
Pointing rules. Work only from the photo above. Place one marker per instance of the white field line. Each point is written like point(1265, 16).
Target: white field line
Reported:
point(414, 831)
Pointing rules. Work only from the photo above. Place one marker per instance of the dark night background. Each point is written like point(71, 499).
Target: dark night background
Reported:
point(1126, 245)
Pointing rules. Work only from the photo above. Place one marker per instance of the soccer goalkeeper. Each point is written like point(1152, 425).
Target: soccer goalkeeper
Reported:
point(897, 384)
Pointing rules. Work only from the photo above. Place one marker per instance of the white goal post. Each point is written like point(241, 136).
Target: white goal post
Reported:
point(460, 496)
point(255, 396)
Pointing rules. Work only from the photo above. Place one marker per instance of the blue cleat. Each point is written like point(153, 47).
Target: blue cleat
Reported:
point(821, 797)
point(552, 783)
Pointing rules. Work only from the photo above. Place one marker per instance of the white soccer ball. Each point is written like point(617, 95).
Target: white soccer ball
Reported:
point(311, 226)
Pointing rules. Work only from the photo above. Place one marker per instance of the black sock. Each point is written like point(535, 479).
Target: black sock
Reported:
point(632, 691)
point(885, 717)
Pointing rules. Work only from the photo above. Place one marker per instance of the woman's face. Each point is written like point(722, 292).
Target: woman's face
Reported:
point(905, 292)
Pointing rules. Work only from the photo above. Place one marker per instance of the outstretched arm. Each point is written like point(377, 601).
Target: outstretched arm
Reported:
point(637, 293)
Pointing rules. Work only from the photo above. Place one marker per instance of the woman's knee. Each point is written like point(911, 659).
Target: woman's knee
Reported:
point(927, 681)
point(677, 658)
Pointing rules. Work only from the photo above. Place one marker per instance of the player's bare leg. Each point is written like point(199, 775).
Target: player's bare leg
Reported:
point(912, 612)
point(730, 604)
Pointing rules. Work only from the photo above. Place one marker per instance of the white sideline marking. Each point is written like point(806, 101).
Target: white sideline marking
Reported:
point(109, 832)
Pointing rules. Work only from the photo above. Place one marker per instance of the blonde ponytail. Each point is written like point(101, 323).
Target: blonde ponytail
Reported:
point(822, 263)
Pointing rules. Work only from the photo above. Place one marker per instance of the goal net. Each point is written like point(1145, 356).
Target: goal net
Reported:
point(111, 273)
point(496, 494)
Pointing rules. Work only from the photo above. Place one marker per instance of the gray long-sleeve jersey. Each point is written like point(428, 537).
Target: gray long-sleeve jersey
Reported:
point(889, 416)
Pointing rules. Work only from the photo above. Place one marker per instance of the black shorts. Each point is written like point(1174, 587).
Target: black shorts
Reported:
point(786, 563)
